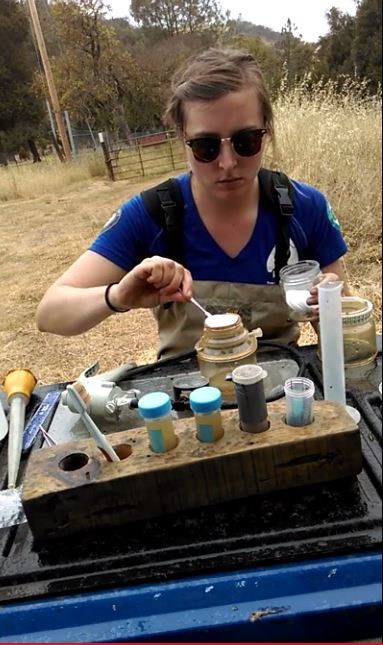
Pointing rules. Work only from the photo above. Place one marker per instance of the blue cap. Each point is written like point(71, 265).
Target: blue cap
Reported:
point(205, 399)
point(154, 405)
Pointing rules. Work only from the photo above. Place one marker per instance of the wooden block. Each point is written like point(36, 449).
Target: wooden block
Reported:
point(71, 487)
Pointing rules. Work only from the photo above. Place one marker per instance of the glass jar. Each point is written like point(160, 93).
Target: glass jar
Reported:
point(224, 344)
point(359, 332)
point(206, 405)
point(296, 281)
point(155, 408)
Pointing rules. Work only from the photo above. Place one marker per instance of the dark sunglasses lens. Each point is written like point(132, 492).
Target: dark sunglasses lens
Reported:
point(205, 149)
point(247, 143)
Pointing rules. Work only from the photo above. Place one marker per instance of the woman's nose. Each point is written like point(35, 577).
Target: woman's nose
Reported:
point(227, 157)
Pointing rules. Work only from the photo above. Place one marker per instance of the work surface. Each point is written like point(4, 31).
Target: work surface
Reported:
point(343, 517)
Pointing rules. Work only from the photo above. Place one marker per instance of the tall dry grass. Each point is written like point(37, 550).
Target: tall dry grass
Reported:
point(29, 180)
point(333, 141)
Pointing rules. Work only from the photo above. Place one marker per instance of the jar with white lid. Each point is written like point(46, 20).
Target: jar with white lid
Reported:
point(224, 344)
point(155, 408)
point(296, 281)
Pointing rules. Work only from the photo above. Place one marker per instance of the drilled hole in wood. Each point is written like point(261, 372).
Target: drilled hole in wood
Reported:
point(75, 461)
point(123, 450)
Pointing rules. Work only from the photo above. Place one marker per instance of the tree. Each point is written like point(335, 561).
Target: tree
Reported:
point(94, 74)
point(296, 57)
point(21, 112)
point(335, 49)
point(174, 17)
point(367, 46)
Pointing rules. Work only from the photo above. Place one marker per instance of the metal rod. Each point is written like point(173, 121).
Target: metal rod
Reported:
point(194, 301)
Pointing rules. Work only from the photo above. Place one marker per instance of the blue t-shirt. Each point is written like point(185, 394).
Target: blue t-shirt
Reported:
point(131, 234)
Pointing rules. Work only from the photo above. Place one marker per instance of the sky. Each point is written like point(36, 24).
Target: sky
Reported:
point(309, 16)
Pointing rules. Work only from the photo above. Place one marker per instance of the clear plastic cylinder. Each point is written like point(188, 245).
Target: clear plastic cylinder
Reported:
point(331, 341)
point(299, 392)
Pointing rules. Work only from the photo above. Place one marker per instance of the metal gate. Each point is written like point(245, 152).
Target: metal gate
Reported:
point(143, 156)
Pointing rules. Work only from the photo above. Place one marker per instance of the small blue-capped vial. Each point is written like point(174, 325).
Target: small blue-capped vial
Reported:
point(155, 408)
point(206, 405)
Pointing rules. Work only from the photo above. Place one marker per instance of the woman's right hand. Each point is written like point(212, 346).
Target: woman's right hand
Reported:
point(154, 281)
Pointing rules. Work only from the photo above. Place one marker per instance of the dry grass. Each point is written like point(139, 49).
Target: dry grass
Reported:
point(29, 180)
point(49, 215)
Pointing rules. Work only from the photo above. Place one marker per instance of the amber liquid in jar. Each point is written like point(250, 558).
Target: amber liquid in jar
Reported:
point(359, 332)
point(225, 344)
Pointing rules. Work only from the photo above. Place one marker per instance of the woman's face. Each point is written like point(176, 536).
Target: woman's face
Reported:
point(229, 174)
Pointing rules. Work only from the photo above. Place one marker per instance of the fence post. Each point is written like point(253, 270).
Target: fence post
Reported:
point(171, 150)
point(108, 161)
point(141, 160)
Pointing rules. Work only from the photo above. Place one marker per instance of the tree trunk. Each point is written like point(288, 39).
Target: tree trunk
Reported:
point(34, 151)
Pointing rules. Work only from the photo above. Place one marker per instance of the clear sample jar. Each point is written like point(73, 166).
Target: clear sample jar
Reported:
point(206, 405)
point(296, 281)
point(155, 408)
point(299, 392)
point(224, 344)
point(359, 332)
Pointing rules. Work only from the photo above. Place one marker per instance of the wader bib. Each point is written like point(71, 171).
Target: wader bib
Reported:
point(180, 325)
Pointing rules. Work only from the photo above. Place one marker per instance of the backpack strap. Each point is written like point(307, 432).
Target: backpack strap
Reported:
point(165, 204)
point(277, 189)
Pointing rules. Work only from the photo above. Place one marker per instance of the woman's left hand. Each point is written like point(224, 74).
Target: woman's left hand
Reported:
point(312, 301)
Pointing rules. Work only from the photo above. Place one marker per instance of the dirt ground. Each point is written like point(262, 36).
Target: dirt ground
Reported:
point(39, 238)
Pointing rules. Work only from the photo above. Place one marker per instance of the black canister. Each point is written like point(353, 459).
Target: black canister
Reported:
point(250, 395)
point(184, 385)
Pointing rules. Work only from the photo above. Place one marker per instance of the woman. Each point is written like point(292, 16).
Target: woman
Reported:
point(221, 110)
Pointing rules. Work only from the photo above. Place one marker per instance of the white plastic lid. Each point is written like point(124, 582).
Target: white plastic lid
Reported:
point(354, 413)
point(248, 374)
point(219, 321)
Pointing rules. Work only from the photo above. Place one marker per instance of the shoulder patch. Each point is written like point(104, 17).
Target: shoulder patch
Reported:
point(332, 217)
point(112, 221)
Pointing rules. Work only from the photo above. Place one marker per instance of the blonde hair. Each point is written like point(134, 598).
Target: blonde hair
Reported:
point(209, 76)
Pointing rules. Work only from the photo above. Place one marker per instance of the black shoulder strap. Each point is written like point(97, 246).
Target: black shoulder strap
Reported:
point(276, 188)
point(165, 204)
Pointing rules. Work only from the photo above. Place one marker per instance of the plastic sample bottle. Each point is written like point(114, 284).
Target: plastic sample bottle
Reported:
point(299, 393)
point(206, 405)
point(155, 408)
point(297, 280)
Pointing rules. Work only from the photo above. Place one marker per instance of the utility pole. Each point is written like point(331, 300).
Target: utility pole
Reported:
point(49, 78)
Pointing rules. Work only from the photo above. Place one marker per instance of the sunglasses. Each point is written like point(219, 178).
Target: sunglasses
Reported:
point(246, 143)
